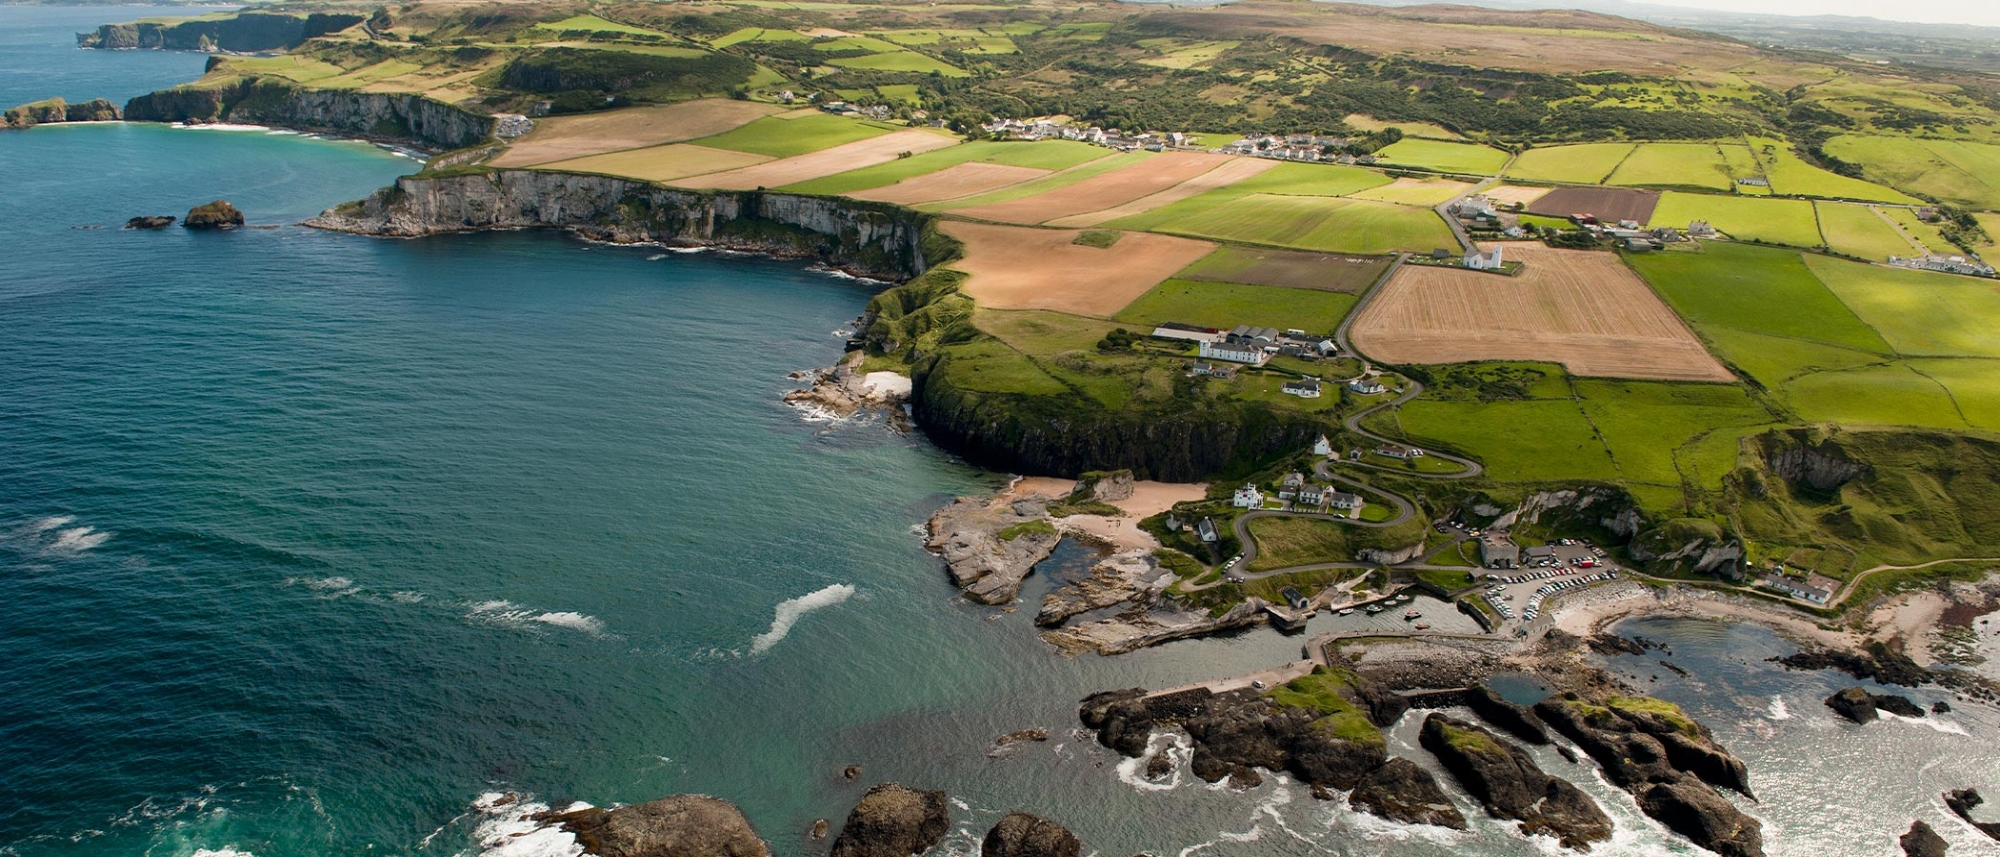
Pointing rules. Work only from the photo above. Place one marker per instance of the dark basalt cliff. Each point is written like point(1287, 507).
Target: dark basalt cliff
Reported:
point(57, 110)
point(412, 119)
point(1511, 786)
point(874, 239)
point(247, 32)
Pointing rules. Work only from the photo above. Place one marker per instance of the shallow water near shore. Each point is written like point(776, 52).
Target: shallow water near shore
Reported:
point(312, 540)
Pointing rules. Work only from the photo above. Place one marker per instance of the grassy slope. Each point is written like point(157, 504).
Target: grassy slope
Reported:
point(1960, 172)
point(783, 137)
point(1444, 157)
point(1674, 165)
point(1775, 221)
point(1584, 163)
point(1917, 312)
point(1045, 155)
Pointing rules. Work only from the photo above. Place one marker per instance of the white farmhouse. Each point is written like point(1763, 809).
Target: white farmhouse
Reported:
point(1252, 353)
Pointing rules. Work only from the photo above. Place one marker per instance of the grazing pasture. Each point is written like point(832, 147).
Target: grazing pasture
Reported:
point(1763, 290)
point(951, 183)
point(1285, 179)
point(1444, 157)
point(1918, 312)
point(1794, 177)
point(909, 61)
point(1857, 230)
point(1891, 394)
point(660, 163)
point(1290, 269)
point(1537, 440)
point(826, 162)
point(1955, 171)
point(1045, 155)
point(1231, 172)
point(1654, 429)
point(1225, 305)
point(1699, 165)
point(1974, 386)
point(1061, 179)
point(1582, 309)
point(1583, 163)
point(1317, 223)
point(796, 133)
point(558, 138)
point(1019, 267)
point(1103, 191)
point(1612, 204)
point(1774, 221)
point(1408, 191)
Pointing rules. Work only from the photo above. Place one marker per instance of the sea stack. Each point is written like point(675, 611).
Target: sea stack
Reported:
point(215, 215)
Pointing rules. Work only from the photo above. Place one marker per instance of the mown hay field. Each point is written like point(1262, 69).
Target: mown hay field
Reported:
point(826, 162)
point(1102, 191)
point(1699, 165)
point(1225, 305)
point(1584, 310)
point(1317, 223)
point(796, 133)
point(1229, 173)
point(558, 138)
point(1045, 155)
point(1857, 230)
point(1019, 267)
point(1285, 179)
point(1951, 170)
point(1584, 163)
point(1412, 191)
point(951, 183)
point(1790, 222)
point(660, 163)
point(1444, 156)
point(1330, 272)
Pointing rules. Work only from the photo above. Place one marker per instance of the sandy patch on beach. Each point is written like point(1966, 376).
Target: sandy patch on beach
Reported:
point(1148, 499)
point(1595, 610)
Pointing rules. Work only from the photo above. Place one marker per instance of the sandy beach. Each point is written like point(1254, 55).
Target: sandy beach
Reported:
point(1120, 533)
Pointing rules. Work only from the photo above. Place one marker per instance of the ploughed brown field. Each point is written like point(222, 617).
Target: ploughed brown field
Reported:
point(1234, 171)
point(1608, 203)
point(951, 183)
point(1103, 191)
point(1021, 267)
point(559, 138)
point(825, 162)
point(1327, 272)
point(1582, 309)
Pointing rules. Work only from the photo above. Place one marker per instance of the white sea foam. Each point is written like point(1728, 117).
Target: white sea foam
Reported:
point(330, 587)
point(789, 612)
point(572, 620)
point(77, 539)
point(656, 257)
point(281, 132)
point(510, 830)
point(507, 614)
point(1778, 710)
point(224, 851)
point(220, 126)
point(1934, 723)
point(1132, 772)
point(50, 523)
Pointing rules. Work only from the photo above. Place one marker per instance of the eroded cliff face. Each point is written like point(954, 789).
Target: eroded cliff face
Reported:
point(876, 240)
point(57, 110)
point(247, 31)
point(412, 119)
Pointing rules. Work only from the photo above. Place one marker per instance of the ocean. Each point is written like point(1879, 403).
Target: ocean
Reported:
point(311, 542)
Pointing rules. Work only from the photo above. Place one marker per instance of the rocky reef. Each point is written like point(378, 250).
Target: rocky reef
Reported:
point(893, 820)
point(1922, 841)
point(677, 826)
point(1509, 784)
point(1962, 802)
point(1023, 835)
point(56, 110)
point(872, 239)
point(397, 117)
point(1860, 706)
point(150, 221)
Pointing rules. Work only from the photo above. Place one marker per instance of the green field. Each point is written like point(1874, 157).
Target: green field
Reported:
point(1225, 305)
point(1444, 157)
point(901, 61)
point(1960, 172)
point(1675, 165)
point(1584, 163)
point(1657, 432)
point(594, 24)
point(1974, 385)
point(1426, 194)
point(1044, 155)
point(1283, 179)
point(1742, 163)
point(1046, 183)
point(783, 137)
point(1773, 360)
point(1918, 312)
point(1857, 230)
point(856, 43)
point(1542, 440)
point(1928, 233)
point(1774, 221)
point(1288, 268)
point(1794, 177)
point(1888, 395)
point(758, 34)
point(1314, 223)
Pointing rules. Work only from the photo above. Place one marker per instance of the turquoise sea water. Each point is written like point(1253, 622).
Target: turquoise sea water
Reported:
point(310, 540)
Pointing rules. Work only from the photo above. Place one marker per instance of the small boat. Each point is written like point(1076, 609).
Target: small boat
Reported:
point(1412, 614)
point(1347, 611)
point(1374, 609)
point(1423, 626)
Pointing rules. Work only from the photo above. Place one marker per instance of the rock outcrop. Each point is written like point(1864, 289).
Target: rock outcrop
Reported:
point(990, 549)
point(1922, 841)
point(1962, 802)
point(1116, 579)
point(399, 117)
point(1140, 627)
point(1322, 728)
point(1401, 791)
point(1860, 706)
point(212, 215)
point(1024, 835)
point(155, 221)
point(677, 826)
point(57, 110)
point(1668, 761)
point(1511, 786)
point(877, 240)
point(248, 31)
point(893, 821)
point(1515, 720)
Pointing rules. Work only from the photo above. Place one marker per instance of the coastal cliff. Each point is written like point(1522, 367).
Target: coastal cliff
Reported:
point(399, 117)
point(246, 32)
point(57, 110)
point(873, 239)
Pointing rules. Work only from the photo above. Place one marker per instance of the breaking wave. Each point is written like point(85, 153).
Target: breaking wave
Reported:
point(789, 612)
point(508, 828)
point(1778, 710)
point(507, 614)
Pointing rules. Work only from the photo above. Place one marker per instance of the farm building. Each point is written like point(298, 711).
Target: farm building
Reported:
point(1496, 553)
point(1344, 500)
point(1304, 388)
point(1365, 386)
point(1235, 352)
point(1395, 451)
point(1186, 332)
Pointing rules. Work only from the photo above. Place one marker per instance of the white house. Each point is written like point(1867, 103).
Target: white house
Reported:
point(1322, 447)
point(1206, 531)
point(1403, 452)
point(1344, 500)
point(1366, 386)
point(1488, 260)
point(1235, 352)
point(1304, 388)
point(1248, 497)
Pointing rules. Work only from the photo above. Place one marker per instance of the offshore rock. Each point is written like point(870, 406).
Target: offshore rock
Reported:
point(677, 826)
point(1024, 835)
point(1399, 790)
point(1514, 719)
point(1860, 706)
point(1139, 627)
point(1511, 786)
point(893, 821)
point(1962, 802)
point(1692, 809)
point(873, 239)
point(213, 215)
point(57, 110)
point(989, 550)
point(156, 221)
point(1127, 576)
point(1922, 841)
